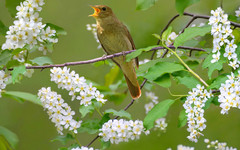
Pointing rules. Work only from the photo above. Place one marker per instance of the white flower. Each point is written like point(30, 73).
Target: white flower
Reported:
point(117, 131)
point(28, 28)
point(223, 37)
point(93, 29)
point(238, 12)
point(59, 112)
point(230, 93)
point(83, 148)
point(160, 124)
point(77, 86)
point(217, 145)
point(195, 112)
point(4, 78)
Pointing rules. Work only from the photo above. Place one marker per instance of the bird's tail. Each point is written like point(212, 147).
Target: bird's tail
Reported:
point(134, 88)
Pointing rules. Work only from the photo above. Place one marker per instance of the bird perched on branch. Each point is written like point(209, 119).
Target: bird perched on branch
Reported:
point(114, 38)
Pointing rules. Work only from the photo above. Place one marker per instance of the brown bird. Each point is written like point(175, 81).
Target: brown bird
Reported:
point(115, 37)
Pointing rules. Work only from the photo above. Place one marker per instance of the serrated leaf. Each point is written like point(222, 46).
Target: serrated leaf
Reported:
point(145, 4)
point(163, 81)
point(84, 110)
point(42, 60)
point(190, 33)
point(90, 126)
point(166, 33)
point(17, 71)
point(11, 6)
point(5, 56)
point(161, 68)
point(63, 138)
point(185, 78)
point(144, 67)
point(182, 119)
point(59, 30)
point(11, 137)
point(3, 29)
point(217, 82)
point(24, 96)
point(111, 76)
point(158, 111)
point(181, 5)
point(138, 52)
point(120, 113)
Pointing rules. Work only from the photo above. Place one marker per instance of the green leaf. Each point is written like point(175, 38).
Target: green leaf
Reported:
point(182, 4)
point(217, 82)
point(208, 103)
point(24, 96)
point(182, 119)
point(158, 111)
point(138, 52)
point(11, 137)
point(166, 33)
point(111, 76)
point(144, 67)
point(117, 98)
point(17, 71)
point(4, 145)
point(157, 36)
point(59, 30)
point(213, 66)
point(105, 145)
point(12, 63)
point(84, 110)
point(42, 60)
point(5, 56)
point(145, 4)
point(104, 119)
point(190, 33)
point(164, 80)
point(3, 29)
point(185, 78)
point(11, 6)
point(192, 63)
point(63, 138)
point(120, 113)
point(161, 68)
point(90, 126)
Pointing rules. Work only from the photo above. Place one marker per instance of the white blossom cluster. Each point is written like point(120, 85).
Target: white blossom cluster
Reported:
point(59, 112)
point(223, 37)
point(238, 12)
point(230, 93)
point(161, 122)
point(77, 86)
point(121, 130)
point(153, 101)
point(195, 112)
point(28, 28)
point(28, 72)
point(83, 148)
point(93, 29)
point(4, 77)
point(182, 147)
point(169, 42)
point(217, 145)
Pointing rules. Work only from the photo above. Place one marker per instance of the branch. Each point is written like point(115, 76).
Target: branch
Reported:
point(107, 57)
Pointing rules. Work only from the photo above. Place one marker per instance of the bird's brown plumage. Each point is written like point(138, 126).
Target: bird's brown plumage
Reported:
point(115, 37)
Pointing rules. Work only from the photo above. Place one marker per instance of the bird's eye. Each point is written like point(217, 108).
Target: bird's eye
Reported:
point(104, 8)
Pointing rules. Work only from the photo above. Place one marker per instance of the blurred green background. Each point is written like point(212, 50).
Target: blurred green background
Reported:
point(31, 123)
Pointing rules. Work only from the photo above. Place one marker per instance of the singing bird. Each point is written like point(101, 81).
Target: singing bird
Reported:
point(115, 37)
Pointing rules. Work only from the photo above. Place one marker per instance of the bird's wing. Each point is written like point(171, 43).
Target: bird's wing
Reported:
point(133, 45)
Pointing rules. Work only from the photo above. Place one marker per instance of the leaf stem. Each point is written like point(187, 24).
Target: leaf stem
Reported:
point(75, 137)
point(188, 68)
point(174, 94)
point(98, 112)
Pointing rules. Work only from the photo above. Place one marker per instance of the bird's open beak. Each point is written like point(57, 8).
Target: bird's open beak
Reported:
point(96, 11)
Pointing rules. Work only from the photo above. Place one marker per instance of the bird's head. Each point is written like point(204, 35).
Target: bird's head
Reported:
point(101, 11)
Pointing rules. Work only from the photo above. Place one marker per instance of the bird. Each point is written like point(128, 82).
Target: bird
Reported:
point(114, 37)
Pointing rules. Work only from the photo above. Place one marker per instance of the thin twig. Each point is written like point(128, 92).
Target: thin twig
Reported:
point(107, 57)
